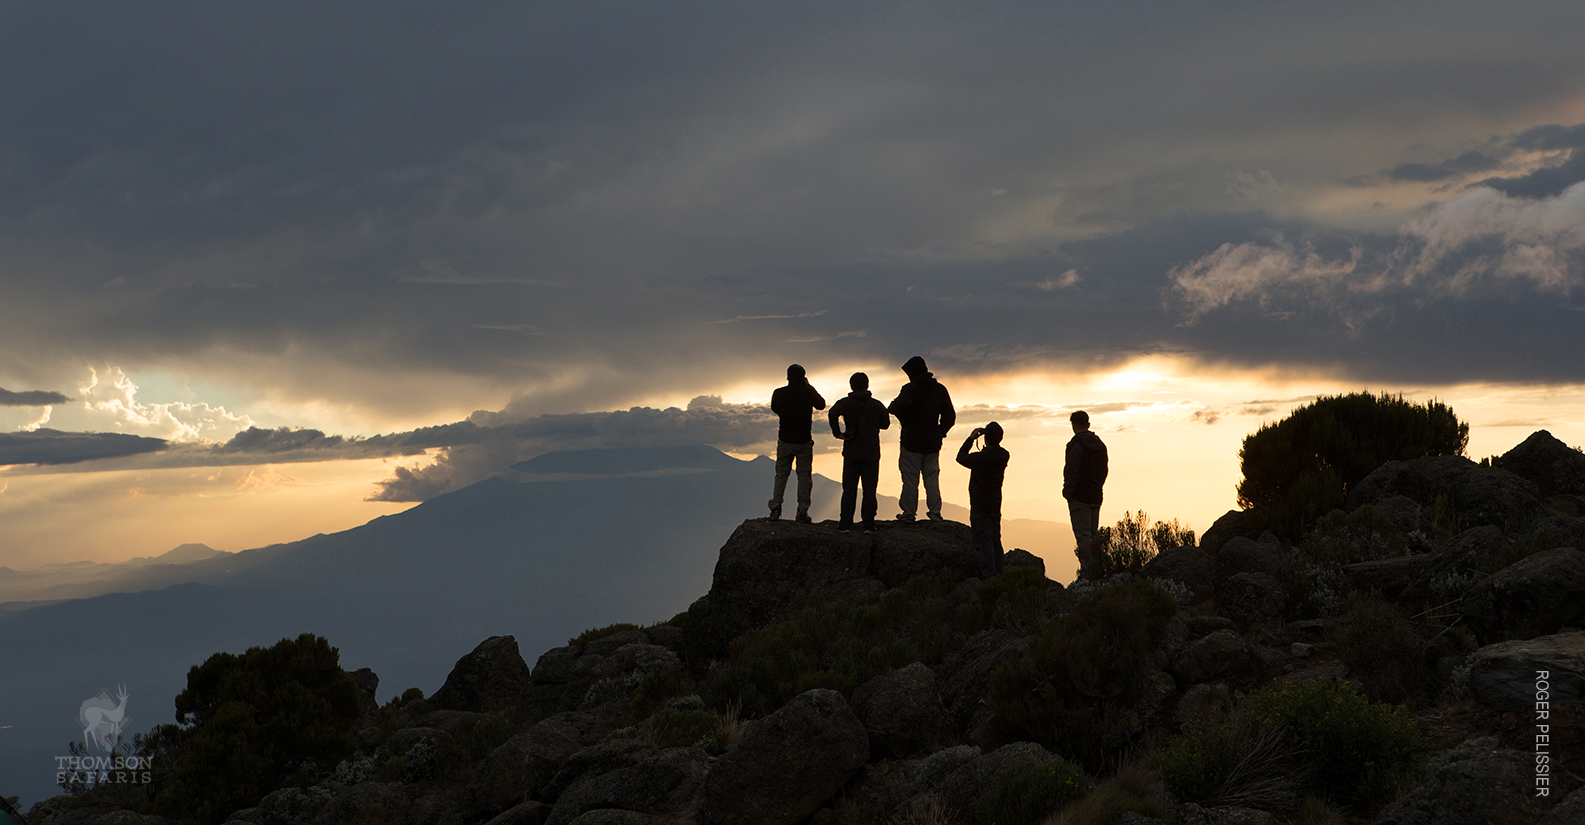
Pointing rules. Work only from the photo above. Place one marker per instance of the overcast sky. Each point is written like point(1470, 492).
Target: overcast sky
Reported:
point(370, 218)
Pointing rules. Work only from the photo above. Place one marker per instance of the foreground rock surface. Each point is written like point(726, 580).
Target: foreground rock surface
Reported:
point(1504, 675)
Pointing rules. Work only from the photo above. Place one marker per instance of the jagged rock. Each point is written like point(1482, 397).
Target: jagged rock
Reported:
point(601, 679)
point(1189, 566)
point(965, 678)
point(1503, 675)
point(668, 636)
point(1479, 495)
point(1219, 655)
point(1252, 599)
point(594, 760)
point(523, 813)
point(1554, 467)
point(1402, 512)
point(901, 712)
point(1534, 596)
point(788, 765)
point(607, 645)
point(522, 765)
point(555, 666)
point(370, 803)
point(449, 721)
point(1390, 577)
point(292, 806)
point(956, 792)
point(877, 791)
point(493, 674)
point(662, 783)
point(1242, 555)
point(1479, 789)
point(922, 547)
point(1450, 570)
point(368, 685)
point(1571, 811)
point(1202, 700)
point(1019, 557)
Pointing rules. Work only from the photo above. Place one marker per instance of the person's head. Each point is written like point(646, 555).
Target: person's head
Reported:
point(993, 434)
point(1080, 420)
point(795, 373)
point(859, 381)
point(915, 367)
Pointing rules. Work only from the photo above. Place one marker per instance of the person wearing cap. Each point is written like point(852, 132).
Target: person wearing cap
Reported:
point(924, 408)
point(987, 468)
point(1083, 473)
point(794, 404)
point(861, 448)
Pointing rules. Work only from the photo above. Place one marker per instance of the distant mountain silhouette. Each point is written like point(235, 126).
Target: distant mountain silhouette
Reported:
point(559, 544)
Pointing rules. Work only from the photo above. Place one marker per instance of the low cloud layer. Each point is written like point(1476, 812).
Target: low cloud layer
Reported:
point(31, 398)
point(53, 447)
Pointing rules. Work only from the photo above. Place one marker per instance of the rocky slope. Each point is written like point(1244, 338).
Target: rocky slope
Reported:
point(1447, 586)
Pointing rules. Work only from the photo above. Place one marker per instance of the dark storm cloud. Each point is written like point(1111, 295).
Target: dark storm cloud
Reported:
point(1545, 182)
point(53, 447)
point(31, 398)
point(345, 204)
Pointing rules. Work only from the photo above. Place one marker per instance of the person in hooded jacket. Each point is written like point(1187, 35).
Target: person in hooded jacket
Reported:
point(1083, 473)
point(924, 408)
point(861, 448)
point(794, 404)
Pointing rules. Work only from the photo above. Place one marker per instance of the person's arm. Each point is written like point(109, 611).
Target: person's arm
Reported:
point(836, 429)
point(964, 457)
point(814, 398)
point(949, 416)
point(886, 420)
point(902, 402)
point(1070, 465)
point(776, 401)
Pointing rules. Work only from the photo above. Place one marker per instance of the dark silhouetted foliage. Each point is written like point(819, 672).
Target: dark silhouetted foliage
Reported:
point(1134, 541)
point(1028, 792)
point(252, 723)
point(1302, 467)
point(1077, 687)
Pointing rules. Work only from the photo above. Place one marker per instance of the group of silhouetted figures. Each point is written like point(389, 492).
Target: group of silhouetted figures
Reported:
point(924, 409)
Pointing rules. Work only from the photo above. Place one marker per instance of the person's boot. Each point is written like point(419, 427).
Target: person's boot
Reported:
point(803, 517)
point(775, 513)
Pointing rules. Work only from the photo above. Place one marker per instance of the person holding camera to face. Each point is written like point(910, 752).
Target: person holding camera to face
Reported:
point(987, 468)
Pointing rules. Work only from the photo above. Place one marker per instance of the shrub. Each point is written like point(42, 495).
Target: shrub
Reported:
point(595, 633)
point(1302, 467)
point(1076, 687)
point(1322, 733)
point(1134, 541)
point(656, 688)
point(673, 728)
point(1130, 789)
point(1346, 538)
point(1384, 651)
point(252, 723)
point(1025, 793)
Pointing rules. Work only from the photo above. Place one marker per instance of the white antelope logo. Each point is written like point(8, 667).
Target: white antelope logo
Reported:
point(102, 719)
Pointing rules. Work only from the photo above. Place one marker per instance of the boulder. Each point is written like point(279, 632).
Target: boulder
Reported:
point(1252, 599)
point(661, 783)
point(1402, 512)
point(965, 678)
point(1232, 524)
point(906, 550)
point(1504, 676)
point(522, 765)
point(1220, 655)
point(1534, 596)
point(1479, 788)
point(1554, 467)
point(1193, 814)
point(370, 803)
point(1189, 566)
point(404, 741)
point(1479, 495)
point(902, 712)
point(1571, 811)
point(762, 567)
point(956, 792)
point(612, 816)
point(612, 642)
point(1019, 557)
point(593, 761)
point(602, 679)
point(1202, 700)
point(494, 674)
point(288, 806)
point(1202, 626)
point(368, 684)
point(555, 666)
point(788, 765)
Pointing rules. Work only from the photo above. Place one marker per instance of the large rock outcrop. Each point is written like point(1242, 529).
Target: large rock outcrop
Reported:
point(767, 565)
point(1478, 495)
point(1534, 596)
point(1554, 467)
point(493, 674)
point(1505, 675)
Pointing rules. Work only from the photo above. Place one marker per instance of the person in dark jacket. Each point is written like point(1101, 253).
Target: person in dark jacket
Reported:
point(861, 448)
point(794, 404)
point(1083, 473)
point(987, 468)
point(924, 408)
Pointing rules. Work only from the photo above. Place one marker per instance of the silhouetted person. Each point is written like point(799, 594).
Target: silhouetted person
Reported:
point(861, 447)
point(924, 408)
point(1082, 476)
point(987, 468)
point(794, 404)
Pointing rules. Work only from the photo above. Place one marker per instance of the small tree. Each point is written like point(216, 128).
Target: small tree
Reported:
point(1134, 541)
point(1304, 466)
point(252, 723)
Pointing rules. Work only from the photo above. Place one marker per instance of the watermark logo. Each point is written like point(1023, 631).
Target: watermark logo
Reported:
point(103, 719)
point(1543, 733)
